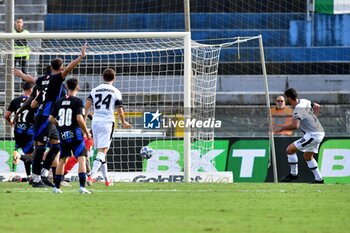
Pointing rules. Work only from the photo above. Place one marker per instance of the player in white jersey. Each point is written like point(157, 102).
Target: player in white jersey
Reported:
point(105, 98)
point(304, 118)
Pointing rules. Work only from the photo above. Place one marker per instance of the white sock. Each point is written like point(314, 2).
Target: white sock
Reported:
point(293, 163)
point(36, 178)
point(95, 167)
point(313, 166)
point(104, 171)
point(44, 172)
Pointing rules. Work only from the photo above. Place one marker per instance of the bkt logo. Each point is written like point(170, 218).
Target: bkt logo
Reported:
point(151, 120)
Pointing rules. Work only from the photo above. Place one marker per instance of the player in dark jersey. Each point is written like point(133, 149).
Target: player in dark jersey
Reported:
point(23, 127)
point(68, 115)
point(45, 132)
point(39, 84)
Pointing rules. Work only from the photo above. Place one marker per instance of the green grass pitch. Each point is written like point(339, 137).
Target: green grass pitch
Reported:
point(177, 207)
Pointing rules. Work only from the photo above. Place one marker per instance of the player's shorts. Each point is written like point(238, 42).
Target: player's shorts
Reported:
point(310, 142)
point(102, 133)
point(24, 141)
point(44, 130)
point(77, 148)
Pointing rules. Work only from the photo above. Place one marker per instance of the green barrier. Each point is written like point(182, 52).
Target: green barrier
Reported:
point(6, 156)
point(168, 157)
point(334, 161)
point(248, 160)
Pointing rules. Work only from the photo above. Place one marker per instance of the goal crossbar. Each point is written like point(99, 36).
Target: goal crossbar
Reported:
point(97, 35)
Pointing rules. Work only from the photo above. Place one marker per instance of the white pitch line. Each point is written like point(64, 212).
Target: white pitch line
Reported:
point(48, 190)
point(45, 190)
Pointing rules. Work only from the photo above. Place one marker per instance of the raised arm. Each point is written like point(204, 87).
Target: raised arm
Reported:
point(75, 62)
point(25, 77)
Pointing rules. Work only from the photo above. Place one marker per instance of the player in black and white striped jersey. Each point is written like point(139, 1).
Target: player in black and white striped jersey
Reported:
point(105, 99)
point(304, 118)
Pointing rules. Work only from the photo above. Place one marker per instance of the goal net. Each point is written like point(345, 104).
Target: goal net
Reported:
point(151, 75)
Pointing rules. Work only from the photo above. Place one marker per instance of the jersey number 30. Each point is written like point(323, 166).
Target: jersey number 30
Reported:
point(65, 117)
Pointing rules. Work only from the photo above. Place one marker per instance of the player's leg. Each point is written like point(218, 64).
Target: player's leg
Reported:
point(27, 158)
point(81, 154)
point(70, 164)
point(88, 145)
point(102, 132)
point(72, 160)
point(54, 165)
point(313, 166)
point(28, 149)
point(25, 142)
point(310, 149)
point(99, 160)
point(59, 173)
point(310, 146)
point(41, 138)
point(293, 163)
point(50, 157)
point(51, 154)
point(104, 170)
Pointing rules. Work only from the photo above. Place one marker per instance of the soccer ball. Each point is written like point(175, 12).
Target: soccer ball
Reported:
point(146, 152)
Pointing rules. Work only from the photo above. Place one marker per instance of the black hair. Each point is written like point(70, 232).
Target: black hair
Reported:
point(71, 84)
point(108, 74)
point(291, 93)
point(56, 63)
point(47, 70)
point(27, 86)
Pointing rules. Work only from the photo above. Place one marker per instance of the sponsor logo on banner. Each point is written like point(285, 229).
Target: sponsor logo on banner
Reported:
point(163, 177)
point(168, 157)
point(248, 160)
point(334, 161)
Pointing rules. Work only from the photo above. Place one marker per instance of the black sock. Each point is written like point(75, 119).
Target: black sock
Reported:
point(27, 160)
point(58, 179)
point(51, 156)
point(82, 179)
point(37, 159)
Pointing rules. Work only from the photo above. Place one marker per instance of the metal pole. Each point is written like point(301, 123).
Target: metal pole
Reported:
point(9, 81)
point(187, 106)
point(187, 15)
point(267, 96)
point(310, 9)
point(187, 92)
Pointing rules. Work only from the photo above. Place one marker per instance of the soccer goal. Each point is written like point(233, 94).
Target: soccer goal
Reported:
point(168, 85)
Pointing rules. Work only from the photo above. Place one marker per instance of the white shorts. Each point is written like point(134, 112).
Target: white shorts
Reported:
point(102, 133)
point(309, 143)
